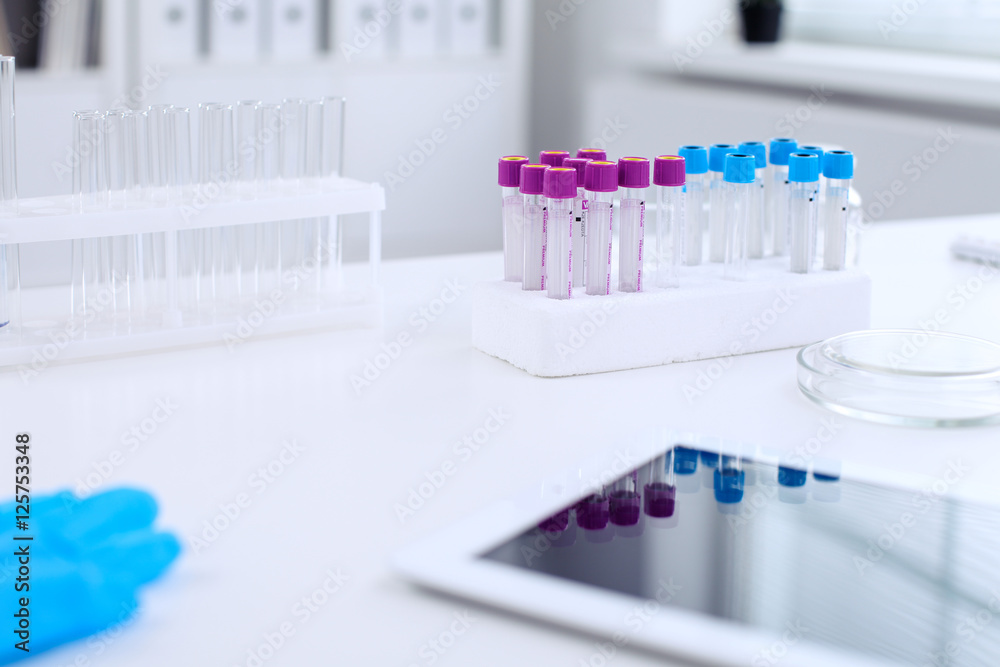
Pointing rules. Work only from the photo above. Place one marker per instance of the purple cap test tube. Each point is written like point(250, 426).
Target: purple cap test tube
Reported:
point(669, 176)
point(560, 191)
point(552, 158)
point(600, 184)
point(580, 206)
point(512, 212)
point(533, 189)
point(593, 154)
point(633, 178)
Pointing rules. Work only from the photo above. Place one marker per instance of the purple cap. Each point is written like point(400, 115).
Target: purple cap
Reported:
point(624, 508)
point(633, 172)
point(560, 183)
point(593, 154)
point(533, 178)
point(552, 158)
point(510, 170)
point(668, 170)
point(658, 500)
point(580, 164)
point(601, 176)
point(593, 512)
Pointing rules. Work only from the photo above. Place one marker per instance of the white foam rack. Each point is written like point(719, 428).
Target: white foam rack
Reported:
point(706, 317)
point(44, 323)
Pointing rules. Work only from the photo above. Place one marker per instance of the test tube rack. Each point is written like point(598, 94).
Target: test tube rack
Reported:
point(43, 330)
point(706, 317)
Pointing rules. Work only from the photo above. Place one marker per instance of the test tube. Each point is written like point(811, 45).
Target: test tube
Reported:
point(292, 156)
point(717, 201)
point(660, 492)
point(668, 176)
point(593, 512)
point(633, 179)
point(580, 204)
point(552, 158)
point(268, 182)
point(246, 160)
point(776, 194)
point(739, 179)
point(122, 131)
point(758, 210)
point(311, 140)
point(814, 240)
point(729, 480)
point(560, 190)
point(91, 261)
point(9, 254)
point(332, 159)
point(803, 175)
point(838, 169)
point(624, 501)
point(179, 250)
point(533, 188)
point(597, 154)
point(512, 214)
point(217, 171)
point(601, 183)
point(696, 167)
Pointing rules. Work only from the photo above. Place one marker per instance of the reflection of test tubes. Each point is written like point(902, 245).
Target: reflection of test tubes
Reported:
point(739, 179)
point(717, 201)
point(560, 190)
point(776, 194)
point(601, 183)
point(838, 168)
point(533, 189)
point(803, 176)
point(758, 211)
point(9, 269)
point(579, 217)
point(552, 158)
point(668, 177)
point(597, 154)
point(633, 179)
point(624, 501)
point(593, 512)
point(729, 480)
point(696, 166)
point(660, 493)
point(512, 213)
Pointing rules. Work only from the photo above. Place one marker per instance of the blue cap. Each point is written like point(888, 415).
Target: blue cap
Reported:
point(757, 149)
point(815, 150)
point(780, 150)
point(740, 168)
point(803, 168)
point(695, 159)
point(717, 156)
point(838, 164)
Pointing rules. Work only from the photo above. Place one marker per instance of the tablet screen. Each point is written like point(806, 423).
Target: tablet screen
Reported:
point(906, 576)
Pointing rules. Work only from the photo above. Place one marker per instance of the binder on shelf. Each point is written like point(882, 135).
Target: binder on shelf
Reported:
point(235, 30)
point(468, 27)
point(361, 29)
point(294, 30)
point(169, 30)
point(419, 30)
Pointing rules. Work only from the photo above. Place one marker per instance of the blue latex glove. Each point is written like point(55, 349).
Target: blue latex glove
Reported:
point(88, 558)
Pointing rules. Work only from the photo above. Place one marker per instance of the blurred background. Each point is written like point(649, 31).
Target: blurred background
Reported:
point(438, 89)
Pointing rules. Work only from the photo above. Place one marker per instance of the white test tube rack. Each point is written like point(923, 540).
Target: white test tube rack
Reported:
point(41, 331)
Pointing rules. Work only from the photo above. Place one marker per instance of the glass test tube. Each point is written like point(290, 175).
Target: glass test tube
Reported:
point(533, 189)
point(292, 157)
point(512, 212)
point(311, 139)
point(755, 232)
point(122, 154)
point(560, 190)
point(776, 194)
point(717, 201)
point(179, 250)
point(669, 177)
point(838, 168)
point(601, 183)
point(819, 152)
point(246, 161)
point(803, 175)
point(268, 182)
point(332, 167)
point(633, 179)
point(91, 261)
point(216, 172)
point(696, 166)
point(9, 254)
point(579, 218)
point(739, 178)
point(660, 492)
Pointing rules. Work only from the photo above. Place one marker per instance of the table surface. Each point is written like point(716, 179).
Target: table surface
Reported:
point(330, 506)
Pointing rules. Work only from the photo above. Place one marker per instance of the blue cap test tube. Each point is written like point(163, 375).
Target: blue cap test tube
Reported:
point(755, 233)
point(838, 170)
point(696, 171)
point(776, 193)
point(803, 174)
point(739, 178)
point(717, 201)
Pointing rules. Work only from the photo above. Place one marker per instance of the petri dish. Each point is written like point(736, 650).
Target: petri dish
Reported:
point(905, 377)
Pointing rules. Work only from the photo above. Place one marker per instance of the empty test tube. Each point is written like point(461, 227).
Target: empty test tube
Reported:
point(269, 182)
point(717, 201)
point(696, 167)
point(533, 188)
point(758, 210)
point(560, 190)
point(669, 177)
point(331, 167)
point(579, 217)
point(633, 179)
point(739, 179)
point(246, 160)
point(838, 169)
point(803, 175)
point(552, 158)
point(598, 154)
point(776, 193)
point(91, 261)
point(9, 266)
point(512, 213)
point(601, 183)
point(217, 173)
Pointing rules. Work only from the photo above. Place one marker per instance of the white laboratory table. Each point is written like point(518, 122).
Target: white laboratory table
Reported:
point(331, 506)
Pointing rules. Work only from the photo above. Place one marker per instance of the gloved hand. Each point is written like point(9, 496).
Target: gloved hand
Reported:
point(86, 562)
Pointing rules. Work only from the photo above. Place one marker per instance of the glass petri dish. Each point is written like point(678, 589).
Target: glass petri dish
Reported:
point(905, 377)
